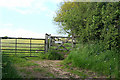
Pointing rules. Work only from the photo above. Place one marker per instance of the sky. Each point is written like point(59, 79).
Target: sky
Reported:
point(28, 18)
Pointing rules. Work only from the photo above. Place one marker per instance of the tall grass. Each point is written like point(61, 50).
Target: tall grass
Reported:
point(54, 55)
point(8, 70)
point(51, 55)
point(94, 57)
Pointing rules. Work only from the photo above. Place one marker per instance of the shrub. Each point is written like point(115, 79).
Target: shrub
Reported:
point(54, 55)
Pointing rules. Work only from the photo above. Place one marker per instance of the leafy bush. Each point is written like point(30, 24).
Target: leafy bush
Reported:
point(54, 55)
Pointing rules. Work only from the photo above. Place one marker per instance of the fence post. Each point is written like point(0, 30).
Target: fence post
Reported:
point(15, 46)
point(30, 47)
point(49, 41)
point(46, 42)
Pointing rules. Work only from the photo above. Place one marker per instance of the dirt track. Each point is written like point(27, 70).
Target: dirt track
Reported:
point(52, 69)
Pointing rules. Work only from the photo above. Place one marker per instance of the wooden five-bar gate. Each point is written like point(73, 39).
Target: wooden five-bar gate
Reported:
point(60, 43)
point(34, 46)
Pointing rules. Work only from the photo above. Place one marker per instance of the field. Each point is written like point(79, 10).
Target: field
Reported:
point(23, 47)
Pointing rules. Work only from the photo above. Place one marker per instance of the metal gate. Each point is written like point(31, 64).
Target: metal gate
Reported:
point(25, 46)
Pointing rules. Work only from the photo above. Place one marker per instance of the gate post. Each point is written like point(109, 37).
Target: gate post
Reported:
point(46, 42)
point(49, 40)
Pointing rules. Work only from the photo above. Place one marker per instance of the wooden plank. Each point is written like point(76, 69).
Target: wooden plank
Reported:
point(60, 37)
point(60, 49)
point(58, 42)
point(18, 52)
point(63, 47)
point(23, 43)
point(23, 49)
point(24, 46)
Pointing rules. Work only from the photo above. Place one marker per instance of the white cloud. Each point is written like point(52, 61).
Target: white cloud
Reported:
point(20, 33)
point(23, 33)
point(56, 1)
point(6, 25)
point(32, 6)
point(15, 3)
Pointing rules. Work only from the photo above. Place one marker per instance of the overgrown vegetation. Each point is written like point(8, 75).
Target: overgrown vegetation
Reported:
point(51, 55)
point(8, 70)
point(19, 67)
point(54, 55)
point(94, 57)
point(97, 25)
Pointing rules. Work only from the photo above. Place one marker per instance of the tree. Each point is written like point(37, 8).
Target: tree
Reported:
point(91, 21)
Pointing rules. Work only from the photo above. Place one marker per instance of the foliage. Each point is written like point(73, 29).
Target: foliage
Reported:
point(95, 58)
point(8, 71)
point(97, 25)
point(91, 21)
point(53, 55)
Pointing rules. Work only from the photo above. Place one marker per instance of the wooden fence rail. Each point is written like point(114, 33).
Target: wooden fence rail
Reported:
point(19, 45)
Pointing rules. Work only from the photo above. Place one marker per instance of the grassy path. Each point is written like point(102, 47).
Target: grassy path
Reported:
point(52, 69)
point(44, 69)
point(36, 68)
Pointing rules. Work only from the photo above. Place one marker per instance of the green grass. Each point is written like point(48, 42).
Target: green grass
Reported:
point(48, 74)
point(9, 63)
point(23, 70)
point(38, 70)
point(8, 70)
point(70, 68)
point(95, 58)
point(82, 74)
point(28, 64)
